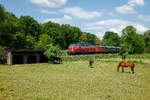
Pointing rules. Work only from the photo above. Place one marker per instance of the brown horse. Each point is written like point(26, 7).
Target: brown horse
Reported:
point(123, 57)
point(91, 63)
point(126, 64)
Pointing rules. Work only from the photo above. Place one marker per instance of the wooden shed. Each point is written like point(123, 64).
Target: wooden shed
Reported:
point(26, 57)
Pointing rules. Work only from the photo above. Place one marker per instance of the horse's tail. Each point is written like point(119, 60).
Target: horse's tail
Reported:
point(132, 68)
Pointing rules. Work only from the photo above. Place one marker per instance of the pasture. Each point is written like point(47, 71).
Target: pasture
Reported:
point(74, 80)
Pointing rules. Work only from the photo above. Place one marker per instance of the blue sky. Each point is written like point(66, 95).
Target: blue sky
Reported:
point(95, 16)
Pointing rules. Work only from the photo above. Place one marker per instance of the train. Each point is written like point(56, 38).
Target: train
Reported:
point(88, 48)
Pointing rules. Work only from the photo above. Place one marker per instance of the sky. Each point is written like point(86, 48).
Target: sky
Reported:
point(94, 16)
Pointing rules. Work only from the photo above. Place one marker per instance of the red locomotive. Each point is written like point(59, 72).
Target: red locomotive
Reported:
point(87, 48)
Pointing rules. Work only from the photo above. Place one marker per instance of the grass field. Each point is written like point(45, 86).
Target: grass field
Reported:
point(74, 80)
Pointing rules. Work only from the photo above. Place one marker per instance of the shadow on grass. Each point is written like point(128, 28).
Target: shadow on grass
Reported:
point(126, 72)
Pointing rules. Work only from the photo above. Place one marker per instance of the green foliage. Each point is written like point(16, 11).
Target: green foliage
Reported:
point(30, 42)
point(55, 32)
point(91, 38)
point(70, 34)
point(124, 48)
point(2, 50)
point(44, 40)
point(131, 41)
point(98, 41)
point(129, 30)
point(147, 40)
point(51, 51)
point(139, 45)
point(8, 28)
point(2, 14)
point(2, 55)
point(83, 37)
point(29, 26)
point(19, 41)
point(11, 24)
point(111, 39)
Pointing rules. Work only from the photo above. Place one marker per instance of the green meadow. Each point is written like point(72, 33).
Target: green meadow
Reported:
point(75, 80)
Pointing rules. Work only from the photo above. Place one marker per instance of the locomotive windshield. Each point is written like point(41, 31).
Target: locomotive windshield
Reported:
point(85, 44)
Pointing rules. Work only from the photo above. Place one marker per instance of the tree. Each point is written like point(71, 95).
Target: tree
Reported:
point(129, 30)
point(55, 32)
point(83, 37)
point(75, 34)
point(2, 55)
point(88, 37)
point(111, 39)
point(139, 44)
point(29, 26)
point(91, 38)
point(131, 41)
point(2, 50)
point(71, 34)
point(147, 40)
point(44, 40)
point(51, 51)
point(2, 14)
point(98, 41)
point(8, 28)
point(30, 42)
point(19, 41)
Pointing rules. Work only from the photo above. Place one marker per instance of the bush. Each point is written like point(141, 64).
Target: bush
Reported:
point(51, 51)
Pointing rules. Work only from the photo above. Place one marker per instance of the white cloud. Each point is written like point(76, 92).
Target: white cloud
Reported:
point(140, 28)
point(49, 3)
point(125, 9)
point(129, 7)
point(136, 2)
point(100, 35)
point(67, 17)
point(81, 13)
point(114, 25)
point(145, 18)
point(48, 12)
point(64, 19)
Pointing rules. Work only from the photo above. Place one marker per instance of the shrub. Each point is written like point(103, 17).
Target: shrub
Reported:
point(51, 51)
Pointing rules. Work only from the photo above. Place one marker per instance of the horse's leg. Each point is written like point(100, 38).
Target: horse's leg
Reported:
point(122, 69)
point(118, 68)
point(132, 69)
point(91, 65)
